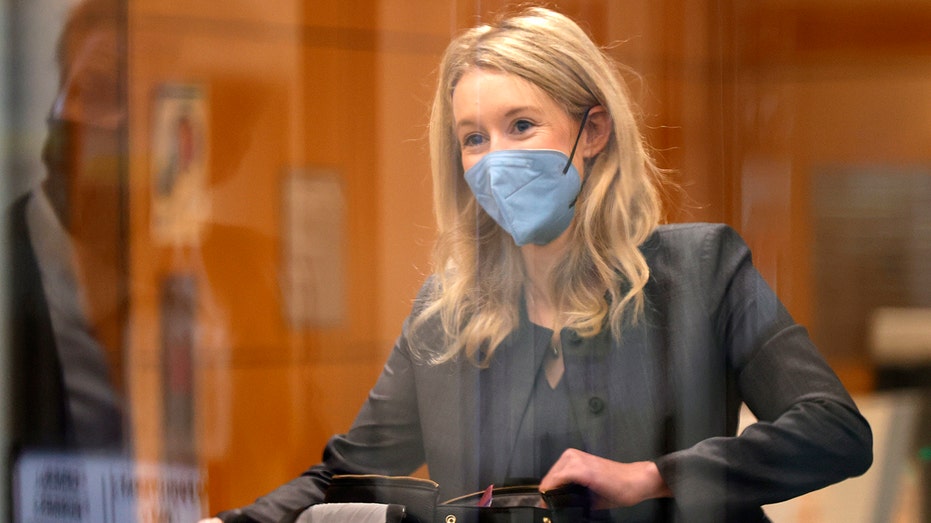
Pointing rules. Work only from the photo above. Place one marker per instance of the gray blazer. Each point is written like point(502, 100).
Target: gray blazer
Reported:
point(669, 390)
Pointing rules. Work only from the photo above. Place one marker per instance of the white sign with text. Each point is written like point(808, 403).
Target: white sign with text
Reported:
point(68, 488)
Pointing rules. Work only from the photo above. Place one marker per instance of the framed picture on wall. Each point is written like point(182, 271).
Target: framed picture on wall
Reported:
point(313, 278)
point(179, 167)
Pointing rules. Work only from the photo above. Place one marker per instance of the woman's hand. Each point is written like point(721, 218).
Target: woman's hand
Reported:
point(614, 484)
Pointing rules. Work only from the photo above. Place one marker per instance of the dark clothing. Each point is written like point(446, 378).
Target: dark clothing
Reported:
point(46, 414)
point(544, 429)
point(40, 414)
point(713, 335)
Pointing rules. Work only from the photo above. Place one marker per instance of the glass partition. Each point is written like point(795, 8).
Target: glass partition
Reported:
point(219, 215)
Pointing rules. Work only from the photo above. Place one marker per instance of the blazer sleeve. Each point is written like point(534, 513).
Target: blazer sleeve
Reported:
point(809, 434)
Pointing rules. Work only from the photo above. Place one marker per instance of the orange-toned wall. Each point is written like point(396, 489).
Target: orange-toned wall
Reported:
point(288, 87)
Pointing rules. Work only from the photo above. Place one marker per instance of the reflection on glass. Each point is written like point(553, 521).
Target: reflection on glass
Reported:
point(65, 393)
point(236, 214)
point(74, 454)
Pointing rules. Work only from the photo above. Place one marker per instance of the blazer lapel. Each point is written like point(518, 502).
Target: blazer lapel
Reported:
point(462, 388)
point(513, 374)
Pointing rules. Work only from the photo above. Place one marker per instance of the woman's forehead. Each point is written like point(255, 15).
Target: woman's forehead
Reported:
point(483, 92)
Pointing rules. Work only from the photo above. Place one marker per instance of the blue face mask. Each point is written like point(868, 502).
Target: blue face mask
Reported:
point(530, 193)
point(526, 192)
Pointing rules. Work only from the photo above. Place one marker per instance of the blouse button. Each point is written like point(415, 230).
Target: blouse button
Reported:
point(596, 405)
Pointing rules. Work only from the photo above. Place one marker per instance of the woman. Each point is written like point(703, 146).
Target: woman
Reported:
point(566, 336)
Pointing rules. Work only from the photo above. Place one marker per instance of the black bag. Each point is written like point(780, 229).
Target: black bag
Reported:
point(511, 504)
point(518, 504)
point(418, 496)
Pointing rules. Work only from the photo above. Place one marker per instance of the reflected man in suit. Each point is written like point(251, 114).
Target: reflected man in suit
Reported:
point(63, 390)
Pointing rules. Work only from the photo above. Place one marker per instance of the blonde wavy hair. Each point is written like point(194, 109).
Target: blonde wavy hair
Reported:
point(479, 274)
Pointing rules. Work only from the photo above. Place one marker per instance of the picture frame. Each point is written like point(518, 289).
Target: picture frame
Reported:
point(179, 164)
point(313, 258)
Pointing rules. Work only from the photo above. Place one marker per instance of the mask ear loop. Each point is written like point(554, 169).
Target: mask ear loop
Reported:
point(572, 153)
point(577, 138)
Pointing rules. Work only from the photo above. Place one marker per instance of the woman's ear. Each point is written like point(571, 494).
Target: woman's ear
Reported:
point(597, 131)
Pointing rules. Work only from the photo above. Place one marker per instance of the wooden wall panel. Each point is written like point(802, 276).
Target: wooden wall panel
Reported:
point(268, 395)
point(818, 85)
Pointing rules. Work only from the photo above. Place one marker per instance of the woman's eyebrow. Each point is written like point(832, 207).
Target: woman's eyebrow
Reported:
point(521, 109)
point(510, 113)
point(465, 123)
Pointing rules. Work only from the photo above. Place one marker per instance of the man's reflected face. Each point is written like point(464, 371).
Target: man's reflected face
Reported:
point(85, 123)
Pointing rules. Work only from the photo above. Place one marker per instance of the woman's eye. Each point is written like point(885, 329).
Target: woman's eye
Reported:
point(522, 126)
point(473, 140)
